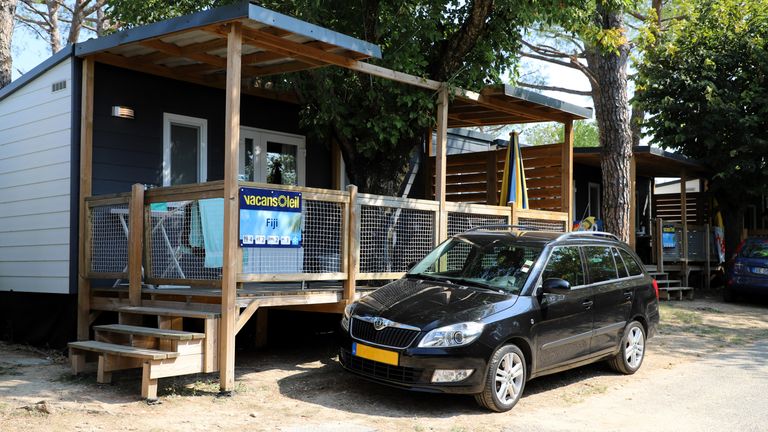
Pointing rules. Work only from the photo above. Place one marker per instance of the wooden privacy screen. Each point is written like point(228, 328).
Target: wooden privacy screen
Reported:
point(668, 208)
point(476, 177)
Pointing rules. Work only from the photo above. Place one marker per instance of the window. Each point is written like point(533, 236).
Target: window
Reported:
point(600, 263)
point(272, 157)
point(620, 267)
point(184, 149)
point(565, 263)
point(632, 266)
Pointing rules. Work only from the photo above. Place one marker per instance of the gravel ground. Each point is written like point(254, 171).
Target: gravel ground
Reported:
point(704, 371)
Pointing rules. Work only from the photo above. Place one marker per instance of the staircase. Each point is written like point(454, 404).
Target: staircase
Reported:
point(162, 349)
point(669, 288)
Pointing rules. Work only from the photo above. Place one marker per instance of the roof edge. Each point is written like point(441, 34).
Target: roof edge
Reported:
point(38, 70)
point(304, 28)
point(531, 96)
point(197, 19)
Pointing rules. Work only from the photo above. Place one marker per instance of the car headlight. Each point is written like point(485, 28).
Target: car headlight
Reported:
point(452, 335)
point(347, 315)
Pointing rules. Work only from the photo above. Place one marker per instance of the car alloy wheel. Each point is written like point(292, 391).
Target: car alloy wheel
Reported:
point(505, 379)
point(632, 351)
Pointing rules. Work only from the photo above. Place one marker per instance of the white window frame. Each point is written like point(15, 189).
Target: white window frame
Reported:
point(202, 149)
point(261, 137)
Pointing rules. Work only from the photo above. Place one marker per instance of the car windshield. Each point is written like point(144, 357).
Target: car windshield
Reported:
point(755, 249)
point(494, 262)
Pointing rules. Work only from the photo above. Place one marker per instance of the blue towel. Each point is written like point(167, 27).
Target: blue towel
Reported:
point(212, 224)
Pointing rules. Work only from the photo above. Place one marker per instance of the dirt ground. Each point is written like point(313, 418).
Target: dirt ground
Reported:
point(292, 389)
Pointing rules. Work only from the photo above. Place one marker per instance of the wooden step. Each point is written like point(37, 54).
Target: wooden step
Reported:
point(667, 281)
point(151, 332)
point(122, 350)
point(666, 293)
point(168, 312)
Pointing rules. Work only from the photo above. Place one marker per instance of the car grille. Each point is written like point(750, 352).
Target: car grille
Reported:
point(375, 369)
point(392, 337)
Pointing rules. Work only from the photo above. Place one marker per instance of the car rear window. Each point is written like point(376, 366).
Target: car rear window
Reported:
point(633, 266)
point(600, 263)
point(565, 263)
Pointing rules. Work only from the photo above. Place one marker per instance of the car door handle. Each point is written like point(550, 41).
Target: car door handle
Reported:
point(628, 295)
point(587, 304)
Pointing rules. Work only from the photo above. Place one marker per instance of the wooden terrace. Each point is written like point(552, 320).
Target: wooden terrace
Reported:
point(166, 260)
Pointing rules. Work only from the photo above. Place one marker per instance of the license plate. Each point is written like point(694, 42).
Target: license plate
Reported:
point(760, 270)
point(375, 354)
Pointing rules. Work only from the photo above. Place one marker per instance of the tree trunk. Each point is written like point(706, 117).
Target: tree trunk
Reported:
point(612, 113)
point(7, 14)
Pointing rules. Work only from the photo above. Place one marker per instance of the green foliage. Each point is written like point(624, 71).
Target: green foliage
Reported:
point(585, 134)
point(705, 86)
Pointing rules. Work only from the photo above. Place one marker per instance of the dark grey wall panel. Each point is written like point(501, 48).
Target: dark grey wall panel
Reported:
point(131, 151)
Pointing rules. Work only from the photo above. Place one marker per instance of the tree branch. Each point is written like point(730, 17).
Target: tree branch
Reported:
point(548, 60)
point(638, 15)
point(554, 88)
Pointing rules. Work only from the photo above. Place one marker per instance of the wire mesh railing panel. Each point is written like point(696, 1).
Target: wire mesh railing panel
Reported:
point(186, 239)
point(391, 238)
point(321, 236)
point(542, 224)
point(320, 250)
point(460, 222)
point(109, 238)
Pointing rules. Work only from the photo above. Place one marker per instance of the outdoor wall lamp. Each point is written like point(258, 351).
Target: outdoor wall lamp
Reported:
point(122, 112)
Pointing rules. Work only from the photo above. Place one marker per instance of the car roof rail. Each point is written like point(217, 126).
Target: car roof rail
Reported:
point(588, 234)
point(501, 226)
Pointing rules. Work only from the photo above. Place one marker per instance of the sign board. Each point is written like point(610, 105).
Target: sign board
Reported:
point(270, 218)
point(668, 237)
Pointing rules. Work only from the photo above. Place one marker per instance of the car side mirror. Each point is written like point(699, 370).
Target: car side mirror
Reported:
point(556, 286)
point(411, 265)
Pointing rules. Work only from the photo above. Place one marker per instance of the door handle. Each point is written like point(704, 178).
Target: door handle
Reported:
point(587, 304)
point(628, 295)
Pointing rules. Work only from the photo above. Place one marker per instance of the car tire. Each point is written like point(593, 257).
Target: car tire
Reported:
point(504, 380)
point(631, 351)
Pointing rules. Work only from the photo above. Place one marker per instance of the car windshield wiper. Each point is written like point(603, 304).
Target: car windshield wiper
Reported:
point(481, 285)
point(423, 276)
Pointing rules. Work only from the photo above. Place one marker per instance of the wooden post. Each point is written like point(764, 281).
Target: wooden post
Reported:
point(684, 220)
point(707, 252)
point(566, 185)
point(336, 172)
point(262, 320)
point(86, 186)
point(353, 246)
point(135, 239)
point(441, 161)
point(632, 202)
point(659, 245)
point(231, 150)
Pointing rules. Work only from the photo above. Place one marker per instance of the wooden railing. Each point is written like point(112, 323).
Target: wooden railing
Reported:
point(347, 236)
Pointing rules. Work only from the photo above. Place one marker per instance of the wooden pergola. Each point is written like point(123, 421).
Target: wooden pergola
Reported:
point(232, 48)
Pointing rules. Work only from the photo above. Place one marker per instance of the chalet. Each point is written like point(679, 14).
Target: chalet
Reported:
point(126, 163)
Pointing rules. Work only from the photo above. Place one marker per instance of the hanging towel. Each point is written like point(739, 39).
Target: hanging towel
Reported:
point(195, 227)
point(212, 224)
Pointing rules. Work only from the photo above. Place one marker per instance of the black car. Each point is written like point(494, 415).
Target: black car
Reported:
point(488, 310)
